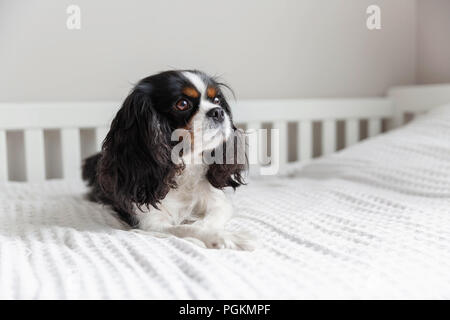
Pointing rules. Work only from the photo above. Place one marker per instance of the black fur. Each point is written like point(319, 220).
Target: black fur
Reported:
point(134, 166)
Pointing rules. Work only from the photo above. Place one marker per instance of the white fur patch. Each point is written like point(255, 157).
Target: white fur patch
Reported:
point(197, 81)
point(209, 137)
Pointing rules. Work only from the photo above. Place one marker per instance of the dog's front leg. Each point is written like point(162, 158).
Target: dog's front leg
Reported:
point(209, 231)
point(216, 210)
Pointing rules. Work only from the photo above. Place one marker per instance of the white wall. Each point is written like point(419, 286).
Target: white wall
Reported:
point(433, 37)
point(262, 48)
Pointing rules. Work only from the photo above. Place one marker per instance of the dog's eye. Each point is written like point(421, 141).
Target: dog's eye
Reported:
point(182, 105)
point(216, 100)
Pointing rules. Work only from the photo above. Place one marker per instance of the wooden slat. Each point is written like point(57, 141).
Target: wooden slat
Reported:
point(398, 119)
point(282, 143)
point(351, 132)
point(328, 136)
point(3, 157)
point(304, 140)
point(34, 155)
point(254, 142)
point(100, 135)
point(71, 154)
point(374, 127)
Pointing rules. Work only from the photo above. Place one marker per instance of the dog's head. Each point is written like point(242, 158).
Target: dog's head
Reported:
point(137, 164)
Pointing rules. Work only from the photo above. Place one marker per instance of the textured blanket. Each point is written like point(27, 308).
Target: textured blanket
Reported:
point(372, 221)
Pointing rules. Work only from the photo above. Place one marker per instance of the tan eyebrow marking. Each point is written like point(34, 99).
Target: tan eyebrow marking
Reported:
point(211, 92)
point(191, 92)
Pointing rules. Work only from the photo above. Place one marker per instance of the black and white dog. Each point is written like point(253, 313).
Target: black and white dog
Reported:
point(135, 172)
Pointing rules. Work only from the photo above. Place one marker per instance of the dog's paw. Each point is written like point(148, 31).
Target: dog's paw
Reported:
point(229, 240)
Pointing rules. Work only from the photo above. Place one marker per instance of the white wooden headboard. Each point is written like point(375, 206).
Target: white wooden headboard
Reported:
point(417, 99)
point(69, 118)
point(305, 112)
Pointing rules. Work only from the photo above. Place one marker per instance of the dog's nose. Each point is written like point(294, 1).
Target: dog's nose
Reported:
point(217, 114)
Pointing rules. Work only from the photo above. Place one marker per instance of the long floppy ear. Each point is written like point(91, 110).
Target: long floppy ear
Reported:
point(229, 173)
point(136, 166)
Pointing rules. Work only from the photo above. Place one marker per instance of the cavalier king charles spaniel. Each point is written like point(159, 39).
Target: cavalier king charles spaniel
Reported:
point(137, 174)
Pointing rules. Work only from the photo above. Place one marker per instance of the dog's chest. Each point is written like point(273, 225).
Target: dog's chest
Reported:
point(187, 202)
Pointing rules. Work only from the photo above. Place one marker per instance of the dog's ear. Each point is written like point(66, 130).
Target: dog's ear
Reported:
point(229, 173)
point(136, 164)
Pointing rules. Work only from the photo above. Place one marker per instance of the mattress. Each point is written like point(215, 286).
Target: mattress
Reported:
point(371, 221)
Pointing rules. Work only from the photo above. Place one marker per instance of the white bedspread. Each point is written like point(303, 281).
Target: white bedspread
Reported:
point(372, 221)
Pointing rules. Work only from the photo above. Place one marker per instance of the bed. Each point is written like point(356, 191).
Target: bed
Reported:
point(369, 221)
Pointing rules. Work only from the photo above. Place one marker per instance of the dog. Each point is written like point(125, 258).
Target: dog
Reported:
point(137, 174)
